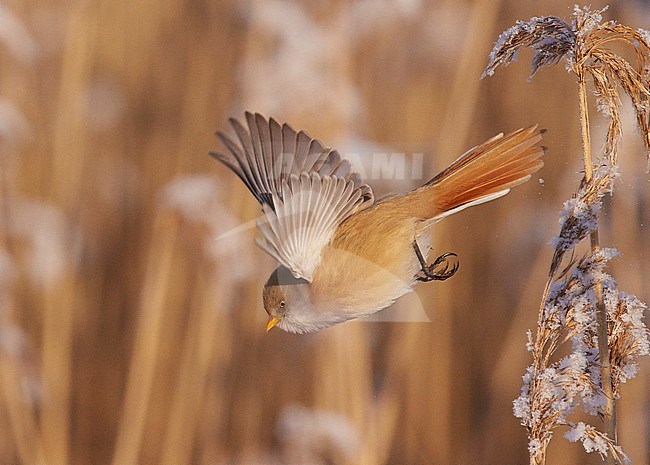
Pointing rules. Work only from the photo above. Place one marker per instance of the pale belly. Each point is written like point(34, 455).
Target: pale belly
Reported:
point(368, 274)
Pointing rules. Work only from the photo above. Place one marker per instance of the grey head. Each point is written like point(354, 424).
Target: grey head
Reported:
point(287, 300)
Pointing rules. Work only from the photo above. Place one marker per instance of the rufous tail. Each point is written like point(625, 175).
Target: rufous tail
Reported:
point(484, 173)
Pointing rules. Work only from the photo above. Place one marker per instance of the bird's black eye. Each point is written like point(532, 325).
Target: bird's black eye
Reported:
point(282, 304)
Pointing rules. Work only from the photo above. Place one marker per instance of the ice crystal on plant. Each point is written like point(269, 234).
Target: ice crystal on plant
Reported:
point(587, 19)
point(594, 441)
point(529, 341)
point(550, 394)
point(577, 220)
point(645, 34)
point(549, 37)
point(535, 447)
point(582, 291)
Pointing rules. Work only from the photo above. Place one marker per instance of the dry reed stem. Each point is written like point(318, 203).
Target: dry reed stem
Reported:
point(67, 167)
point(204, 340)
point(452, 137)
point(383, 423)
point(609, 409)
point(463, 96)
point(389, 404)
point(147, 339)
point(22, 420)
point(58, 329)
point(346, 382)
point(582, 42)
point(623, 212)
point(5, 191)
point(68, 153)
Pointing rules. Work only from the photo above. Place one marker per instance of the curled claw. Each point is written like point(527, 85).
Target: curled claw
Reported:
point(440, 270)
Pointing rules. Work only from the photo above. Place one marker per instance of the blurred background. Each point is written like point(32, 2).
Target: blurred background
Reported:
point(130, 335)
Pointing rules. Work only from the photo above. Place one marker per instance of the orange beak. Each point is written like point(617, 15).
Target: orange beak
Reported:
point(273, 321)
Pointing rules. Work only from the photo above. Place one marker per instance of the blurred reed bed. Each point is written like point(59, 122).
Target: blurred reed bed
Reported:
point(129, 335)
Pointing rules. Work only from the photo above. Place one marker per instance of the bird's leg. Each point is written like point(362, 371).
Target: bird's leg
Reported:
point(430, 272)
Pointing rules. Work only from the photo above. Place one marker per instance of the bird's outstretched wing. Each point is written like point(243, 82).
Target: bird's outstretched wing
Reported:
point(306, 189)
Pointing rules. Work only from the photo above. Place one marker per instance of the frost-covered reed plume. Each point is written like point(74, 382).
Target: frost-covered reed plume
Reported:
point(581, 303)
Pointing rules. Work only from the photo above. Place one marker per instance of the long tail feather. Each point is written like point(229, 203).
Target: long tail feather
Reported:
point(483, 173)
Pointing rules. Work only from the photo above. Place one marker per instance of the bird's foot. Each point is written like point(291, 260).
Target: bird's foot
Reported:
point(439, 270)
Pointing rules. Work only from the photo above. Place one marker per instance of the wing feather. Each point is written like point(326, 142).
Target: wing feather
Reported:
point(277, 148)
point(289, 139)
point(305, 188)
point(305, 219)
point(268, 152)
point(235, 160)
point(247, 144)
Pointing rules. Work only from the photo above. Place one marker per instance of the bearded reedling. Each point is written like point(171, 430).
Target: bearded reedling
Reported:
point(342, 254)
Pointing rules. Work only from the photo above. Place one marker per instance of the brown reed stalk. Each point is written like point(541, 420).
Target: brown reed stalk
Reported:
point(19, 411)
point(22, 421)
point(58, 321)
point(452, 136)
point(147, 339)
point(60, 295)
point(582, 43)
point(21, 416)
point(20, 407)
point(609, 411)
point(207, 336)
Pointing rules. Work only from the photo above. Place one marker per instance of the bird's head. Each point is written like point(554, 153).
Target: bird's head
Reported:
point(287, 301)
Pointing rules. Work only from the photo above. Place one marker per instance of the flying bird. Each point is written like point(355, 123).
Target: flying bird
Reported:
point(342, 253)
